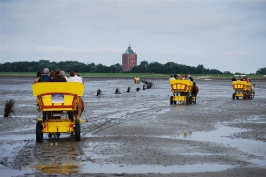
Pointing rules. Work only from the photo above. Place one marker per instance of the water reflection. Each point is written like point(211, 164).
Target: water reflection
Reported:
point(57, 168)
point(187, 134)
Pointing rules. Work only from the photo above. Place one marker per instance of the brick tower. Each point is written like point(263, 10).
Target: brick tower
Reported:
point(129, 59)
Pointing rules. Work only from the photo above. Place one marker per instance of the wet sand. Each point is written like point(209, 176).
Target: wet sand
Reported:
point(139, 133)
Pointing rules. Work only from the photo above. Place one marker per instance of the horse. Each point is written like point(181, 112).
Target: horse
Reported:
point(77, 113)
point(80, 108)
point(195, 90)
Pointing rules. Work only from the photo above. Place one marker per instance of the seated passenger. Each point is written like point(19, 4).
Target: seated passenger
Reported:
point(45, 77)
point(58, 77)
point(74, 78)
point(39, 74)
point(77, 75)
point(171, 77)
point(185, 77)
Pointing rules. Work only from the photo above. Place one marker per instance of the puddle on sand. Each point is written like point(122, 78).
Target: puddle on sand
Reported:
point(222, 134)
point(144, 169)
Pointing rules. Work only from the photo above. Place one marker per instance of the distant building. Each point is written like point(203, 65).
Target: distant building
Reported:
point(227, 72)
point(129, 59)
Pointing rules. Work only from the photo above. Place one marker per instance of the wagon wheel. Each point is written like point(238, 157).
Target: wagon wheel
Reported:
point(233, 96)
point(43, 116)
point(39, 134)
point(171, 99)
point(77, 130)
point(245, 96)
point(187, 100)
point(70, 115)
point(190, 99)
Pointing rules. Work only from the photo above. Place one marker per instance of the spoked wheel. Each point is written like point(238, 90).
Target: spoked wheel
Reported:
point(77, 130)
point(39, 134)
point(233, 96)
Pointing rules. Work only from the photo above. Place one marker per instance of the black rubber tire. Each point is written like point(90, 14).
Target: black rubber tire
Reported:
point(43, 116)
point(77, 130)
point(39, 134)
point(58, 134)
point(71, 115)
point(233, 96)
point(190, 99)
point(187, 100)
point(171, 99)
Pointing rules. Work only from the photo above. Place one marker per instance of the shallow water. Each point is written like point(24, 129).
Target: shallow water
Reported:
point(111, 109)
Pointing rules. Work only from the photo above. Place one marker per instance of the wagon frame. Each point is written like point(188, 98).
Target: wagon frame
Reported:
point(58, 101)
point(182, 91)
point(242, 89)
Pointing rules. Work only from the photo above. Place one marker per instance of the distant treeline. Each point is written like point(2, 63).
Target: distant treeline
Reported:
point(143, 67)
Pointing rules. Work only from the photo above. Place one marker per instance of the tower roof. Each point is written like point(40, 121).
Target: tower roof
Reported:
point(129, 50)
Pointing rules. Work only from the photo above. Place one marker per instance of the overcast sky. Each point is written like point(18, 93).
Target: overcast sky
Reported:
point(223, 35)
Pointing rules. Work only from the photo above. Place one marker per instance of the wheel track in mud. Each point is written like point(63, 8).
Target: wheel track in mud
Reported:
point(65, 150)
point(51, 151)
point(111, 122)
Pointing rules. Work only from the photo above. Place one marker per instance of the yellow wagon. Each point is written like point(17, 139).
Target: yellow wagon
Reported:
point(243, 89)
point(136, 80)
point(58, 101)
point(181, 91)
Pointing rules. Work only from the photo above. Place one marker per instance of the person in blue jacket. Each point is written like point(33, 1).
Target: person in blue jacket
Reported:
point(45, 77)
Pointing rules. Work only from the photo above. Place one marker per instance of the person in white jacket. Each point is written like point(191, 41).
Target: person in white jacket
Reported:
point(74, 78)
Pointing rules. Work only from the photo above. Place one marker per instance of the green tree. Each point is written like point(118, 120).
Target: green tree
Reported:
point(144, 64)
point(261, 71)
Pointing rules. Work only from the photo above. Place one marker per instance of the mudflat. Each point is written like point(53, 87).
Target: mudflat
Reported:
point(139, 133)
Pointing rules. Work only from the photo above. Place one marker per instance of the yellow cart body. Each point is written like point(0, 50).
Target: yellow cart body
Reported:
point(181, 91)
point(137, 80)
point(58, 98)
point(243, 89)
